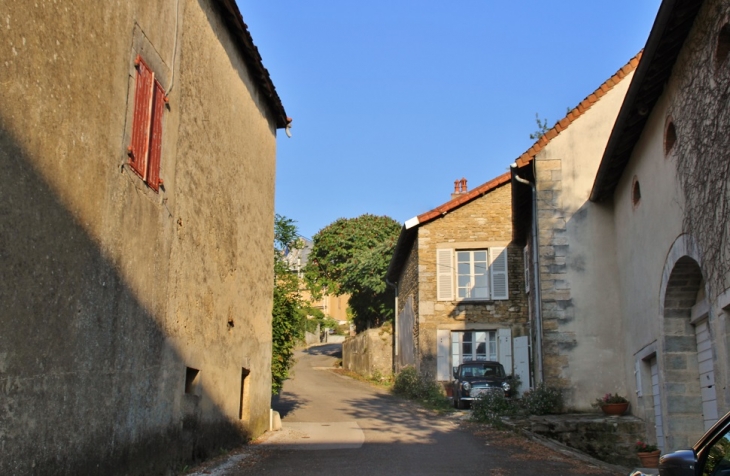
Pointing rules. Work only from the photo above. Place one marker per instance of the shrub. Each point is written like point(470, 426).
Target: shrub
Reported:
point(542, 400)
point(490, 407)
point(413, 386)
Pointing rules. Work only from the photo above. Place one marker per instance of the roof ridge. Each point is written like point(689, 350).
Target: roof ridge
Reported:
point(464, 198)
point(578, 110)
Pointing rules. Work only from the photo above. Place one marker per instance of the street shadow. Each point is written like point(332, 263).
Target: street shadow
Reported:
point(330, 350)
point(286, 403)
point(93, 378)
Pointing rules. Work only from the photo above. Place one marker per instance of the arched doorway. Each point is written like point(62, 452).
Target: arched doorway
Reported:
point(686, 357)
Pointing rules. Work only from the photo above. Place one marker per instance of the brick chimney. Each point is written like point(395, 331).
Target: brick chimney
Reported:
point(459, 188)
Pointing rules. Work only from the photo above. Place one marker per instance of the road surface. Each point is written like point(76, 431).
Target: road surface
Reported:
point(340, 426)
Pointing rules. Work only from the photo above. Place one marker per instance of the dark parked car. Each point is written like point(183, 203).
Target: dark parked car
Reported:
point(473, 379)
point(710, 456)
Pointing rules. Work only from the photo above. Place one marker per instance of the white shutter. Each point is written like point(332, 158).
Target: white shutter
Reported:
point(504, 349)
point(443, 342)
point(445, 275)
point(498, 273)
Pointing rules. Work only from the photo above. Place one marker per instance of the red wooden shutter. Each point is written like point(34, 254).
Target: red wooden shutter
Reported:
point(138, 150)
point(153, 164)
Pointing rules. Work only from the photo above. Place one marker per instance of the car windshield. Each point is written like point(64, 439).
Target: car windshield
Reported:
point(482, 370)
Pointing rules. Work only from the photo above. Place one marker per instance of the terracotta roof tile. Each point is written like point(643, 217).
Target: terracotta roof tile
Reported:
point(464, 198)
point(578, 111)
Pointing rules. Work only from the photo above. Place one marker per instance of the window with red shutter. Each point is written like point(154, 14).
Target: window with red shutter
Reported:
point(146, 145)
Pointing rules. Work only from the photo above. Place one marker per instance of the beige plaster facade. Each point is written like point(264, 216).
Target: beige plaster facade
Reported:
point(674, 310)
point(130, 318)
point(481, 222)
point(579, 296)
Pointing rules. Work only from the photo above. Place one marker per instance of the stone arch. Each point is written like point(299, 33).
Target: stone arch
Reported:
point(681, 399)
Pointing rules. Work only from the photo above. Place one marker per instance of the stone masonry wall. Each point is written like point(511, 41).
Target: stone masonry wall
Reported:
point(370, 353)
point(408, 287)
point(485, 221)
point(557, 304)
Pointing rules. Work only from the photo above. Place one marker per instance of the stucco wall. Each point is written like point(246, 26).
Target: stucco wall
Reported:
point(483, 222)
point(693, 99)
point(109, 291)
point(582, 331)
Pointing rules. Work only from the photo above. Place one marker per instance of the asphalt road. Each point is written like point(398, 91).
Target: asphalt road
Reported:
point(337, 425)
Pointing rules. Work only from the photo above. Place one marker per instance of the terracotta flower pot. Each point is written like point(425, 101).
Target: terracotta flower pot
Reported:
point(649, 460)
point(614, 408)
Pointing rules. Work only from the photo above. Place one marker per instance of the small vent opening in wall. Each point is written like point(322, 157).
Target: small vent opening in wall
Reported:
point(191, 380)
point(243, 404)
point(723, 45)
point(636, 193)
point(670, 137)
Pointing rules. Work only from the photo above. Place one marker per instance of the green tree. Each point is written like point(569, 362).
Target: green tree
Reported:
point(287, 317)
point(351, 256)
point(542, 128)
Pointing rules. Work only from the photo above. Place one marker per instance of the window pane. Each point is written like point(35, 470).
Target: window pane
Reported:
point(468, 336)
point(463, 293)
point(455, 337)
point(480, 336)
point(482, 351)
point(480, 256)
point(464, 281)
point(464, 269)
point(463, 256)
point(466, 349)
point(480, 293)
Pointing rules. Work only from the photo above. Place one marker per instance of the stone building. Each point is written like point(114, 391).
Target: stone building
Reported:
point(137, 143)
point(569, 250)
point(627, 227)
point(460, 285)
point(663, 177)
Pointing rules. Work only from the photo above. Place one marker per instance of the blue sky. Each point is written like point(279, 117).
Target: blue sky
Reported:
point(394, 100)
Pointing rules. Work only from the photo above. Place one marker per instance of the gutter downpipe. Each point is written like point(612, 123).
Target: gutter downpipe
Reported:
point(395, 323)
point(536, 272)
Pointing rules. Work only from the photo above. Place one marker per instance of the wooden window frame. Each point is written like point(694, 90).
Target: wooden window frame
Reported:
point(145, 149)
point(447, 288)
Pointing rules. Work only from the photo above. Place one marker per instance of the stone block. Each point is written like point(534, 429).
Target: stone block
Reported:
point(553, 164)
point(684, 404)
point(680, 344)
point(676, 362)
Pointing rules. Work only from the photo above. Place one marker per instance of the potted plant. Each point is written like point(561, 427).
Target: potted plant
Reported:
point(612, 404)
point(648, 454)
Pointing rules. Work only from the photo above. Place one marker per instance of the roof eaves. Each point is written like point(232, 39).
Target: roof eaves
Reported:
point(578, 111)
point(260, 75)
point(671, 27)
point(464, 198)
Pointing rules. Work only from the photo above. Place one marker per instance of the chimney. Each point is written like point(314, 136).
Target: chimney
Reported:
point(459, 188)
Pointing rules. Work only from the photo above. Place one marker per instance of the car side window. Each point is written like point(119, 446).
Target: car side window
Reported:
point(718, 458)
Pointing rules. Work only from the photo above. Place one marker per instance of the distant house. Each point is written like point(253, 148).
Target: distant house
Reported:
point(569, 251)
point(330, 304)
point(138, 147)
point(664, 178)
point(460, 285)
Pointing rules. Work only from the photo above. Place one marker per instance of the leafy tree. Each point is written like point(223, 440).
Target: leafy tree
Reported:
point(542, 128)
point(287, 316)
point(351, 256)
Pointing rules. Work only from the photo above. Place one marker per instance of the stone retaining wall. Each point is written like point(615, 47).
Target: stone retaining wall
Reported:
point(609, 439)
point(369, 352)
